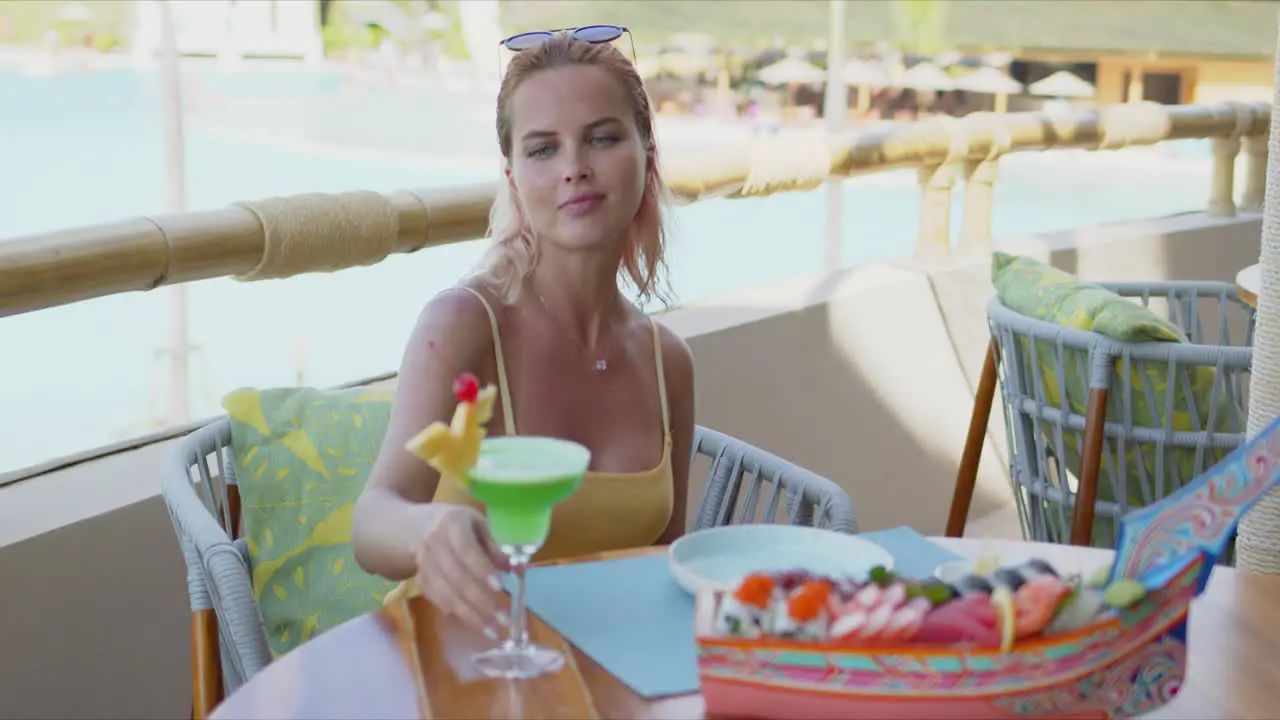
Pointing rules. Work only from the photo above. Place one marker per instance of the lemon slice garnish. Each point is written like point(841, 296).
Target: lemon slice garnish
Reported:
point(987, 561)
point(1006, 616)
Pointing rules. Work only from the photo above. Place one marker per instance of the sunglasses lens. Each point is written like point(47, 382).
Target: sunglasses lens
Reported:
point(598, 33)
point(524, 41)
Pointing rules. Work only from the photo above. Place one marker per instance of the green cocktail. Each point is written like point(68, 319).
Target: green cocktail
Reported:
point(519, 480)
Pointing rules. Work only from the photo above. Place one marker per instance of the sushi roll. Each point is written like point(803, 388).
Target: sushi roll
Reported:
point(1036, 567)
point(1008, 577)
point(972, 585)
point(805, 614)
point(747, 612)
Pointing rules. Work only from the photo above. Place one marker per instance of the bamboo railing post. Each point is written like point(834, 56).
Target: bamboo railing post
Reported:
point(933, 244)
point(1255, 178)
point(1222, 202)
point(1222, 195)
point(979, 191)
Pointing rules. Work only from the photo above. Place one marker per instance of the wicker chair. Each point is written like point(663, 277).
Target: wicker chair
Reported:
point(1074, 404)
point(229, 644)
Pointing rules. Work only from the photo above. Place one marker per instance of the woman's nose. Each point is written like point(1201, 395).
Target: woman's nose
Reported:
point(577, 168)
point(577, 172)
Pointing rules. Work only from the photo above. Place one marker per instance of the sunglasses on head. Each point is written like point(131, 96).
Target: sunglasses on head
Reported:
point(594, 34)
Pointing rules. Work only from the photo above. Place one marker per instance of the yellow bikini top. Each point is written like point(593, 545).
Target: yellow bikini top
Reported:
point(611, 511)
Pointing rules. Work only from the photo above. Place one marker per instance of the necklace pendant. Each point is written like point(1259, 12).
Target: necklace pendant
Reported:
point(602, 365)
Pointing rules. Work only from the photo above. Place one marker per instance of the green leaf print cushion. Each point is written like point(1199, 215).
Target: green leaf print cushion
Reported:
point(1034, 289)
point(302, 457)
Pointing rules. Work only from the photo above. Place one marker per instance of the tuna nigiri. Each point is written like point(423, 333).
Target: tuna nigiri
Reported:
point(968, 619)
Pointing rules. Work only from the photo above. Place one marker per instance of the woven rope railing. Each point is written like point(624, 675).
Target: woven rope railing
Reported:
point(1258, 544)
point(279, 237)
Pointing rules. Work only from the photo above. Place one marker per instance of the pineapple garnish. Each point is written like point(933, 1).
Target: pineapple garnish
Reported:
point(453, 449)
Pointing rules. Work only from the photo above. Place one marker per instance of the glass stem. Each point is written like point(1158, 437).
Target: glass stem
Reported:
point(518, 633)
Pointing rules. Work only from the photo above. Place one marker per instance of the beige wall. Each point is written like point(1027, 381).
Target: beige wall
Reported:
point(1203, 81)
point(1243, 80)
point(875, 365)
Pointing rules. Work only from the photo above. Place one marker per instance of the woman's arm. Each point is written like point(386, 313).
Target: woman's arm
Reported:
point(677, 362)
point(451, 333)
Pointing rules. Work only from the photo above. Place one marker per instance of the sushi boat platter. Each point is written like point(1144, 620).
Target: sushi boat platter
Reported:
point(1024, 640)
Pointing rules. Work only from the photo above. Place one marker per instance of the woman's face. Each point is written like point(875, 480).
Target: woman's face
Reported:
point(577, 159)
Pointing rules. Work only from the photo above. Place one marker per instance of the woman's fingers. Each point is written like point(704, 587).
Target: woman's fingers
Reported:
point(446, 597)
point(496, 556)
point(468, 540)
point(474, 588)
point(457, 573)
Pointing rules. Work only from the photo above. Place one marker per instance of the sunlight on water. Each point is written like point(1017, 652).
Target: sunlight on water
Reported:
point(86, 147)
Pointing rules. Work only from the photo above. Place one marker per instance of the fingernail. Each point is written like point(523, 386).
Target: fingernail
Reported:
point(496, 583)
point(491, 634)
point(502, 619)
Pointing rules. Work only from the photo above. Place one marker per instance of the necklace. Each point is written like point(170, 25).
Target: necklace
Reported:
point(601, 363)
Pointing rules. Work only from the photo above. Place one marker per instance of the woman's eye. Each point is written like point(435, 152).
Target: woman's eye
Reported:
point(539, 151)
point(604, 140)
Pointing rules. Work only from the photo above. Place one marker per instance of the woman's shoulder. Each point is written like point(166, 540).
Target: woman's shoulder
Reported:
point(458, 316)
point(677, 357)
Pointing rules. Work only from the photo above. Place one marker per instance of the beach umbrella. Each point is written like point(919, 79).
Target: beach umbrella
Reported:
point(791, 70)
point(1062, 84)
point(990, 81)
point(1258, 543)
point(947, 59)
point(927, 77)
point(997, 59)
point(861, 72)
point(864, 75)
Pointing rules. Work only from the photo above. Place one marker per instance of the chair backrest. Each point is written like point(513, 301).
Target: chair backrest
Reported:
point(739, 476)
point(1173, 409)
point(200, 493)
point(199, 489)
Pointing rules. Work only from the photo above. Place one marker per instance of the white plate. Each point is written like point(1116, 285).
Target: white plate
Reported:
point(718, 558)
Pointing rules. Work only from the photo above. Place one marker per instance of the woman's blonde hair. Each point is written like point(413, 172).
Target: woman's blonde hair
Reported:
point(513, 253)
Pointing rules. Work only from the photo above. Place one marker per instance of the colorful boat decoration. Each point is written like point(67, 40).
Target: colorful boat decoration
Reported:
point(1129, 662)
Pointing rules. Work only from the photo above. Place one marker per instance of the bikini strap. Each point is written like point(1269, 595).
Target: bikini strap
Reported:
point(504, 393)
point(662, 378)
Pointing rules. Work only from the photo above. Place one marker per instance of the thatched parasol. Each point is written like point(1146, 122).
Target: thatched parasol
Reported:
point(1062, 84)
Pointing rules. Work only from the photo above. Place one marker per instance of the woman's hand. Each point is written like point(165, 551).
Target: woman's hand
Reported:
point(458, 567)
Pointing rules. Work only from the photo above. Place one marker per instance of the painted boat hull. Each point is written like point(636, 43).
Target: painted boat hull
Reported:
point(1125, 667)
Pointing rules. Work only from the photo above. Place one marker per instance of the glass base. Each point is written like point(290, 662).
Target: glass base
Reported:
point(523, 662)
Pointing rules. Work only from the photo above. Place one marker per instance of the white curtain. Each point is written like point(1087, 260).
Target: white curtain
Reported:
point(1258, 546)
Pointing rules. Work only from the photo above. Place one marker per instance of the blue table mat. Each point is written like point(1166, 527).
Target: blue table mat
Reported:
point(632, 618)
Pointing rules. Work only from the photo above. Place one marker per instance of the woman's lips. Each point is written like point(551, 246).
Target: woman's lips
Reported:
point(583, 204)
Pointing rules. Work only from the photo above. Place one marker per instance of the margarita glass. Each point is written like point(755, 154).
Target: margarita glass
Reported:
point(519, 479)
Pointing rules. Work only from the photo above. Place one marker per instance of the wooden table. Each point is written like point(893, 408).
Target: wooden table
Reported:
point(359, 669)
point(1249, 284)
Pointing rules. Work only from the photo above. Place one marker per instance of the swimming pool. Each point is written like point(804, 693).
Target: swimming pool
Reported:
point(85, 147)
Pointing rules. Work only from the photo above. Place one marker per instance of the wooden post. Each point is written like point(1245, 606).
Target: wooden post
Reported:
point(1095, 420)
point(967, 477)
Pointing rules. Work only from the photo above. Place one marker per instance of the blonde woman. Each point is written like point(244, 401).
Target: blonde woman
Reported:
point(546, 321)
